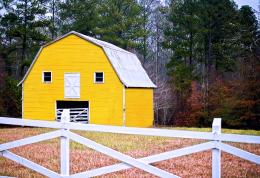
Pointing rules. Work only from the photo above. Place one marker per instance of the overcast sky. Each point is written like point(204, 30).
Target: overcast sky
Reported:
point(252, 3)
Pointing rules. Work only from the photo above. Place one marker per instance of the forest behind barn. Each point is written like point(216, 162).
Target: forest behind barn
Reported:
point(203, 55)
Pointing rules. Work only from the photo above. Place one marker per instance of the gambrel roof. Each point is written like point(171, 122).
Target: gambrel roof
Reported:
point(126, 64)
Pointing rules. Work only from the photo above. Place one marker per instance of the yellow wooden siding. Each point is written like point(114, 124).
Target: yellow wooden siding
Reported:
point(139, 107)
point(73, 55)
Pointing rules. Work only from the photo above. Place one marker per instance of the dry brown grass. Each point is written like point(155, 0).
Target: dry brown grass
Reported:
point(195, 165)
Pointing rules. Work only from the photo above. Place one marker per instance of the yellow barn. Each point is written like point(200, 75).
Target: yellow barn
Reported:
point(99, 82)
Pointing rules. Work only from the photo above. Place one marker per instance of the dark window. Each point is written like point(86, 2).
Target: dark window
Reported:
point(46, 76)
point(72, 104)
point(99, 77)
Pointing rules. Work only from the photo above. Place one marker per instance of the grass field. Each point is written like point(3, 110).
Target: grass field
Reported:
point(196, 165)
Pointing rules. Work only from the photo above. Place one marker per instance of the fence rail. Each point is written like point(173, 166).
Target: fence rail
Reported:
point(215, 139)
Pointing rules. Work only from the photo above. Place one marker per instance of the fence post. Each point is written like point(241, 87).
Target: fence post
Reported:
point(216, 153)
point(65, 145)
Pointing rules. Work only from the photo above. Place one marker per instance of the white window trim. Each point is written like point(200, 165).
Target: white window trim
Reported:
point(68, 97)
point(43, 77)
point(95, 77)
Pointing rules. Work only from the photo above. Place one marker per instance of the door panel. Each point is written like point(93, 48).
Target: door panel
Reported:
point(72, 85)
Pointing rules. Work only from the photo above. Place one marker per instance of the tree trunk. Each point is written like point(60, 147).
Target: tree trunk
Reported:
point(53, 20)
point(24, 36)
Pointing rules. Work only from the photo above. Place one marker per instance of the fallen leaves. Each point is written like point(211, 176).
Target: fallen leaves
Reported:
point(195, 165)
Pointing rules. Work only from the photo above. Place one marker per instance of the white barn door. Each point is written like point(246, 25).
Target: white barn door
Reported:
point(72, 85)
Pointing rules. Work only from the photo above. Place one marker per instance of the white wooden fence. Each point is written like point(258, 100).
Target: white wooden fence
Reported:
point(215, 143)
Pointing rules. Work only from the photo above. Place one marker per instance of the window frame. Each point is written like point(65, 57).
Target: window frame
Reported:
point(46, 82)
point(98, 82)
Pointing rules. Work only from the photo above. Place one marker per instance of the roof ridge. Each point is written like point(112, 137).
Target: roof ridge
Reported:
point(105, 44)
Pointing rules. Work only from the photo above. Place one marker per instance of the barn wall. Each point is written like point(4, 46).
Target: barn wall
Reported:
point(139, 107)
point(73, 54)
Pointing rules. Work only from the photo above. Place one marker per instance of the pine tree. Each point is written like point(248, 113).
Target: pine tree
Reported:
point(78, 15)
point(120, 22)
point(203, 36)
point(147, 10)
point(249, 32)
point(246, 111)
point(184, 38)
point(53, 9)
point(23, 27)
point(220, 19)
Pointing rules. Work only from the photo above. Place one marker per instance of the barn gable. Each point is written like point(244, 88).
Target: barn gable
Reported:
point(126, 64)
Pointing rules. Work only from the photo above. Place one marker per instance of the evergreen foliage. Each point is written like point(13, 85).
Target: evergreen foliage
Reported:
point(120, 22)
point(23, 30)
point(209, 40)
point(78, 15)
point(212, 50)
